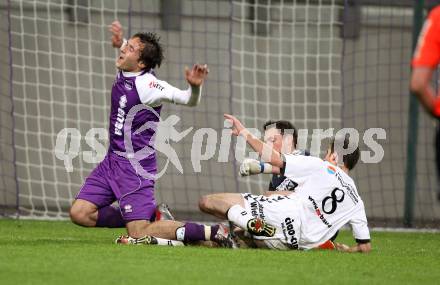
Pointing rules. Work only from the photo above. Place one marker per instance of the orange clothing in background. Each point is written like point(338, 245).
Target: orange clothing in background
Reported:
point(427, 53)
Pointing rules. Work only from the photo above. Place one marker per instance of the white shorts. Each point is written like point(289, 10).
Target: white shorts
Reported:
point(282, 212)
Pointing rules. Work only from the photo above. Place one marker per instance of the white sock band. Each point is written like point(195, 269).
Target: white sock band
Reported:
point(180, 233)
point(207, 232)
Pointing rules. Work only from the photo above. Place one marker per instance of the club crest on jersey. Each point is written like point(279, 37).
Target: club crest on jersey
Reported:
point(156, 85)
point(128, 208)
point(331, 169)
point(128, 84)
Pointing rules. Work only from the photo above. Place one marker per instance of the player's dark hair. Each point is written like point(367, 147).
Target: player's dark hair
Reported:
point(350, 160)
point(283, 126)
point(152, 52)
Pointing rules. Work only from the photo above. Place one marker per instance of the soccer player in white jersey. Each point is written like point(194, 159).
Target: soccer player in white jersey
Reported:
point(282, 136)
point(115, 178)
point(325, 199)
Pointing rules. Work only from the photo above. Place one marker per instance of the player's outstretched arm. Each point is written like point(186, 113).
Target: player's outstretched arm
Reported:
point(117, 34)
point(154, 92)
point(189, 97)
point(266, 152)
point(360, 247)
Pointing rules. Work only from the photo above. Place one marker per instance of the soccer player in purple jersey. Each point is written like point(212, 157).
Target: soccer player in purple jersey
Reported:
point(115, 179)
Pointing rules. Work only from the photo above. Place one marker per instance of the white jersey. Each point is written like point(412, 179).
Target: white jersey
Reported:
point(329, 198)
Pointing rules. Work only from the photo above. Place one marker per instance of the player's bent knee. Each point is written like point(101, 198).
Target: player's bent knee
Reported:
point(76, 215)
point(205, 203)
point(82, 214)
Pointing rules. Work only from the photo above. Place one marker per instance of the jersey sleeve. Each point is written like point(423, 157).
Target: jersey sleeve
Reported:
point(359, 225)
point(427, 53)
point(296, 166)
point(154, 92)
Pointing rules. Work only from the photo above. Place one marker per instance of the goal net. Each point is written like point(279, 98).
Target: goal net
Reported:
point(286, 65)
point(61, 68)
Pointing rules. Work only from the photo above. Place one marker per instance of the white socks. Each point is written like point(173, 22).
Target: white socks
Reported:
point(169, 242)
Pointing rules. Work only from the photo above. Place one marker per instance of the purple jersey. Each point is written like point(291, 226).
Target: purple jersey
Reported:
point(124, 97)
point(115, 178)
point(129, 90)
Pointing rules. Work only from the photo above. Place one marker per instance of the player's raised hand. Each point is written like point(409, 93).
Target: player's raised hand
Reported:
point(117, 34)
point(237, 126)
point(197, 74)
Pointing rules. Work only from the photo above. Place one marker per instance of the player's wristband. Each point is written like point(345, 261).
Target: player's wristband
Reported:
point(265, 168)
point(436, 111)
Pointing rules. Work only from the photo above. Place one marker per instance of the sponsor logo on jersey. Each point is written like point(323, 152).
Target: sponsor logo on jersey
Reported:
point(156, 85)
point(261, 198)
point(348, 188)
point(128, 84)
point(287, 185)
point(121, 115)
point(331, 169)
point(319, 213)
point(352, 193)
point(257, 210)
point(290, 233)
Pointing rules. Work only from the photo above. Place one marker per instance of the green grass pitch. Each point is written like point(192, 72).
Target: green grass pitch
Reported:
point(46, 252)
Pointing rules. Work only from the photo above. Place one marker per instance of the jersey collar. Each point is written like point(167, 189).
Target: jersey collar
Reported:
point(131, 74)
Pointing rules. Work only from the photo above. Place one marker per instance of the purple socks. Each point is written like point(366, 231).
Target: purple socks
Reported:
point(214, 230)
point(110, 217)
point(191, 232)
